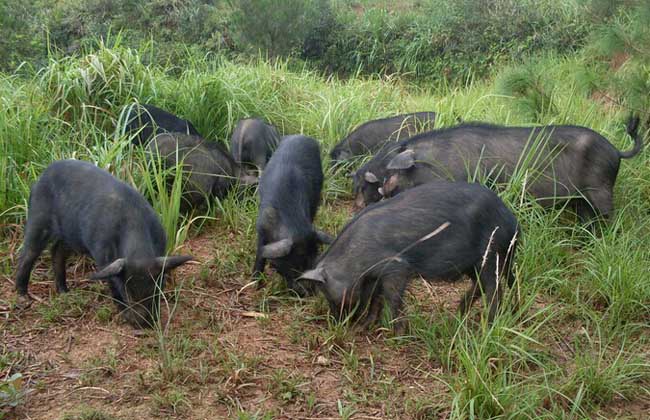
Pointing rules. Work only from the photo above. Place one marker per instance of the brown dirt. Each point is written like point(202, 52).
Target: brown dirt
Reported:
point(232, 348)
point(608, 101)
point(618, 60)
point(285, 363)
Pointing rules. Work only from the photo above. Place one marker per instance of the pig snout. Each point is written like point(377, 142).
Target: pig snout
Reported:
point(140, 315)
point(359, 202)
point(390, 186)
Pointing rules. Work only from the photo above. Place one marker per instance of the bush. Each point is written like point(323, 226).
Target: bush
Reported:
point(29, 30)
point(439, 39)
point(531, 89)
point(278, 27)
point(427, 40)
point(619, 50)
point(21, 37)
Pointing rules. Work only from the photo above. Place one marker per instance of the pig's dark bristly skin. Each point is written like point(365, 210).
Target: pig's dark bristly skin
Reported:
point(151, 120)
point(385, 245)
point(210, 169)
point(289, 191)
point(253, 142)
point(80, 207)
point(571, 162)
point(369, 137)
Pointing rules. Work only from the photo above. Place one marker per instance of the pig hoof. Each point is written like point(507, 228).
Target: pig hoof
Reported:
point(23, 302)
point(366, 325)
point(399, 327)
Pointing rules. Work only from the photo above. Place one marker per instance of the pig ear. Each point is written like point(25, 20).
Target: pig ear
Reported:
point(404, 160)
point(370, 177)
point(172, 261)
point(323, 237)
point(113, 269)
point(277, 249)
point(317, 274)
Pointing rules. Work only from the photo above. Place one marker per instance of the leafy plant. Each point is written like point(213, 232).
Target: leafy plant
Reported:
point(11, 393)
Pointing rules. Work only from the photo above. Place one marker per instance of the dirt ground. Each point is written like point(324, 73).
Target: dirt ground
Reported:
point(230, 351)
point(226, 349)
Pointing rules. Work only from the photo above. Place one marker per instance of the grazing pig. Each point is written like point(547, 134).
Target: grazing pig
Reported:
point(368, 179)
point(253, 142)
point(209, 169)
point(371, 136)
point(565, 162)
point(80, 207)
point(151, 121)
point(289, 197)
point(440, 231)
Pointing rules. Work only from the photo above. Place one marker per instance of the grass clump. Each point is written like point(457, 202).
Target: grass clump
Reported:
point(65, 306)
point(89, 413)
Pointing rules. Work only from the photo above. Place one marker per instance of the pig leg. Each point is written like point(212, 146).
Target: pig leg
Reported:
point(510, 277)
point(470, 296)
point(36, 238)
point(491, 289)
point(374, 308)
point(58, 259)
point(599, 202)
point(585, 212)
point(393, 290)
point(260, 262)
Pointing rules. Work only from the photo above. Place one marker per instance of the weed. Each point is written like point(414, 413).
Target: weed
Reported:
point(286, 386)
point(171, 401)
point(104, 313)
point(73, 304)
point(11, 393)
point(88, 413)
point(257, 415)
point(345, 411)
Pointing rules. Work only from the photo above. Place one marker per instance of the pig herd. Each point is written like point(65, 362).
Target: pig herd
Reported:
point(426, 200)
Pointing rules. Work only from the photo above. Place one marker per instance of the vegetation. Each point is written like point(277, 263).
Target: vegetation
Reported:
point(429, 40)
point(577, 347)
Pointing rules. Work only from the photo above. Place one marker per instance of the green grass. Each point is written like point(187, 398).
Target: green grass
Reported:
point(577, 345)
point(71, 305)
point(88, 413)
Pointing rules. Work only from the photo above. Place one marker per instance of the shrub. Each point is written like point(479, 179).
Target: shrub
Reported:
point(619, 49)
point(439, 39)
point(21, 38)
point(278, 27)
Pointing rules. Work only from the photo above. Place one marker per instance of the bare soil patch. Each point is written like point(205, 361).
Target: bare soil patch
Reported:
point(231, 348)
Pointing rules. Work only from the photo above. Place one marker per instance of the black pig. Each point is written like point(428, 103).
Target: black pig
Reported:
point(289, 197)
point(209, 168)
point(369, 137)
point(565, 161)
point(367, 181)
point(253, 142)
point(80, 207)
point(440, 230)
point(151, 120)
